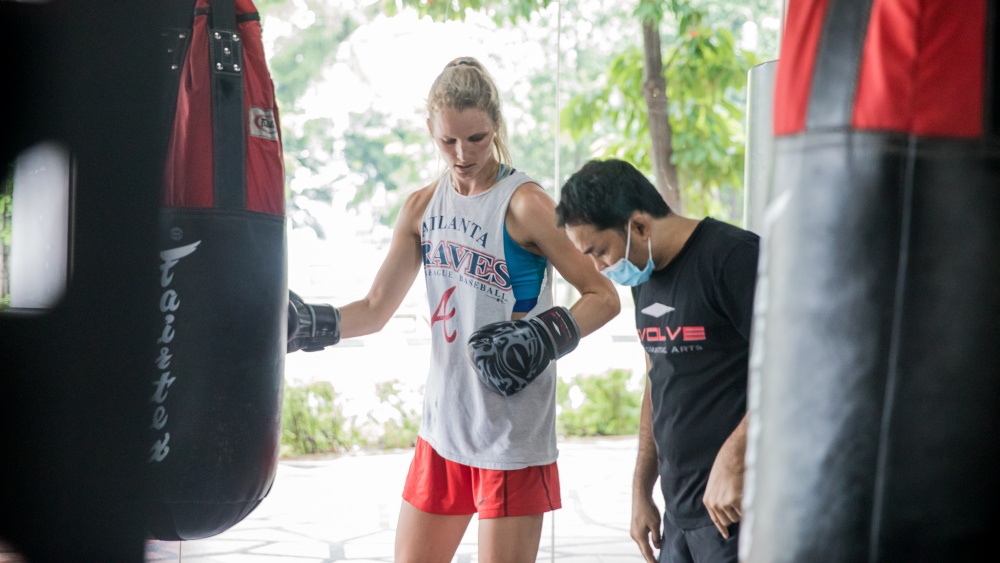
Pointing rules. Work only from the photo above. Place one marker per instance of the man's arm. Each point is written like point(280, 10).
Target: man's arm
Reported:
point(724, 492)
point(645, 515)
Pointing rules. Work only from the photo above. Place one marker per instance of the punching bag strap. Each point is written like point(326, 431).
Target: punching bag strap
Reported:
point(175, 39)
point(229, 178)
point(835, 75)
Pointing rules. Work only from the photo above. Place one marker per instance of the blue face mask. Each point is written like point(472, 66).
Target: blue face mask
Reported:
point(624, 272)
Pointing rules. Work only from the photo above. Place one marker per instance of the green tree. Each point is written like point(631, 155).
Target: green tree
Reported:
point(679, 118)
point(297, 61)
point(676, 112)
point(704, 80)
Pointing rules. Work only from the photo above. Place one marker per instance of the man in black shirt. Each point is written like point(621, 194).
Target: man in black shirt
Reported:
point(693, 286)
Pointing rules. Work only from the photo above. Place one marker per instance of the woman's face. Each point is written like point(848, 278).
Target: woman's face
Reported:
point(465, 139)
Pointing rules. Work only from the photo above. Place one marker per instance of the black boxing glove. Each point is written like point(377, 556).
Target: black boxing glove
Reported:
point(311, 327)
point(508, 355)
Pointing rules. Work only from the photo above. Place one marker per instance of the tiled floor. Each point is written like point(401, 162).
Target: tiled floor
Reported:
point(345, 509)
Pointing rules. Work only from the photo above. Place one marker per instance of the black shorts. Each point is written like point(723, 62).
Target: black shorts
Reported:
point(699, 545)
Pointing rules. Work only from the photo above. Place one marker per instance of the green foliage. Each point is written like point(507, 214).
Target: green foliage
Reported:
point(531, 109)
point(401, 433)
point(4, 303)
point(310, 146)
point(732, 14)
point(388, 157)
point(687, 13)
point(608, 407)
point(532, 147)
point(385, 156)
point(706, 78)
point(649, 10)
point(312, 422)
point(606, 115)
point(507, 11)
point(706, 87)
point(298, 59)
point(267, 5)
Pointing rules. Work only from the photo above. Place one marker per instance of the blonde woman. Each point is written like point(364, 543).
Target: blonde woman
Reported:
point(485, 236)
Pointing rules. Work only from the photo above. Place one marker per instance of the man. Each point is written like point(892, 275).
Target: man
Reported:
point(693, 285)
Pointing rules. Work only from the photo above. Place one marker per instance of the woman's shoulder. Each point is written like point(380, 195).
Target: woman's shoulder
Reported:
point(529, 195)
point(421, 196)
point(414, 205)
point(530, 215)
point(518, 178)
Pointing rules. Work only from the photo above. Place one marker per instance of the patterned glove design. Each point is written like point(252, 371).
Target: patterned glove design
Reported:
point(508, 355)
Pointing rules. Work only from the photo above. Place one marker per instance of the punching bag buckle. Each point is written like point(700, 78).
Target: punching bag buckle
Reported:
point(226, 51)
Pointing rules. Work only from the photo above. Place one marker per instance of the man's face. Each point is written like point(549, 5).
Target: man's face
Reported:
point(604, 247)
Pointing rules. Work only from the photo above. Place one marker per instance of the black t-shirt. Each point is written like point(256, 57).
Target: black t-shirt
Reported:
point(693, 318)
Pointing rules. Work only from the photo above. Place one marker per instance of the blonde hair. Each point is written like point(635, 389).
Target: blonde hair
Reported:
point(464, 84)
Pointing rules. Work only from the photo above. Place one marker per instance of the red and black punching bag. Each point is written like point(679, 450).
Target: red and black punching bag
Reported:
point(215, 405)
point(875, 376)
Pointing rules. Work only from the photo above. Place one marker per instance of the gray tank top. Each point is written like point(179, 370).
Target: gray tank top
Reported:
point(468, 286)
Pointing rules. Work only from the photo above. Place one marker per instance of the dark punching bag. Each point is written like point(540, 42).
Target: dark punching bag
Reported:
point(215, 407)
point(875, 375)
point(74, 374)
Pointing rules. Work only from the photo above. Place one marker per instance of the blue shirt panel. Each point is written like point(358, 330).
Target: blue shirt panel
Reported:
point(526, 271)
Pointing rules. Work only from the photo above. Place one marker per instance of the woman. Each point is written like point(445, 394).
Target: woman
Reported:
point(487, 239)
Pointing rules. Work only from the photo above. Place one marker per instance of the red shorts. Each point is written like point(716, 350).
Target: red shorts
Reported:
point(439, 486)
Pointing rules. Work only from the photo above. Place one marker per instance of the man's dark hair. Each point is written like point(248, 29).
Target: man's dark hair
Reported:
point(605, 193)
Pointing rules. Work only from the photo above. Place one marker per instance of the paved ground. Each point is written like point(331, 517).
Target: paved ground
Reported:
point(345, 509)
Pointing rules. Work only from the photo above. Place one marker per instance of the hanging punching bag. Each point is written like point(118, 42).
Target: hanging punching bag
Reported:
point(875, 377)
point(75, 356)
point(215, 407)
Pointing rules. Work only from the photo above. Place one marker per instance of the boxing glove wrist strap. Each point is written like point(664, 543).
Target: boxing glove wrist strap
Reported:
point(561, 328)
point(325, 326)
point(311, 327)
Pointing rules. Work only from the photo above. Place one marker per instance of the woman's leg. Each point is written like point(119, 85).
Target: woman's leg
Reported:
point(423, 537)
point(512, 539)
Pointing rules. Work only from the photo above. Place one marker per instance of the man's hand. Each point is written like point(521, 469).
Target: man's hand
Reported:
point(646, 523)
point(724, 491)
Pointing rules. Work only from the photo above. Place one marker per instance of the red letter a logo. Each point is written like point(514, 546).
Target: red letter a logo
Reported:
point(440, 315)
